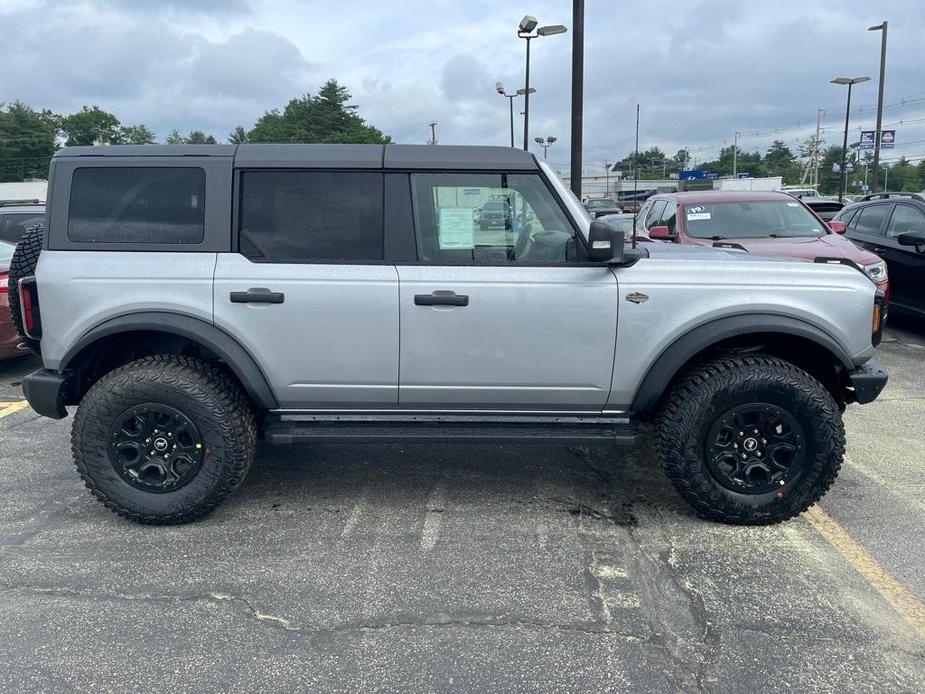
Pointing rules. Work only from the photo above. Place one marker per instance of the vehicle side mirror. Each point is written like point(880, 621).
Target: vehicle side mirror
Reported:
point(660, 233)
point(606, 243)
point(913, 238)
point(838, 226)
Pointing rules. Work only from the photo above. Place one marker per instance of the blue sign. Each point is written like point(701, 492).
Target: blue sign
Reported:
point(691, 175)
point(867, 139)
point(887, 139)
point(744, 174)
point(711, 174)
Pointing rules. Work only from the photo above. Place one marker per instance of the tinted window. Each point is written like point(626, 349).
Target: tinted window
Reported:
point(454, 222)
point(6, 251)
point(655, 213)
point(669, 216)
point(137, 205)
point(870, 219)
point(750, 219)
point(14, 224)
point(905, 218)
point(311, 216)
point(846, 217)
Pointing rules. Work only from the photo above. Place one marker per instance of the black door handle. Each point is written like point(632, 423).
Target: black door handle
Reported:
point(257, 295)
point(441, 298)
point(878, 249)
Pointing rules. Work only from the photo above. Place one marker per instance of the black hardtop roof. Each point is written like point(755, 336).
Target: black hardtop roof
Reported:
point(434, 157)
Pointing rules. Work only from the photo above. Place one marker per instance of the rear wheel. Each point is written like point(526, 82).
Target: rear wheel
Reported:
point(164, 439)
point(25, 258)
point(750, 440)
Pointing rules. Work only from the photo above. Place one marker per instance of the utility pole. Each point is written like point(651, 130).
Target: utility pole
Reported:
point(607, 166)
point(819, 113)
point(578, 71)
point(735, 155)
point(876, 167)
point(433, 132)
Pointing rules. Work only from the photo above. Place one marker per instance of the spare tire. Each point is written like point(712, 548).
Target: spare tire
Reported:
point(25, 258)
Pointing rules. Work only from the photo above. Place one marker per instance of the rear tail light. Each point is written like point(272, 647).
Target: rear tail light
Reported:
point(4, 282)
point(29, 308)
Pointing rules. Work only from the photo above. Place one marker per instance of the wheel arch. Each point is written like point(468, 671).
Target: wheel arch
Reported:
point(795, 340)
point(124, 338)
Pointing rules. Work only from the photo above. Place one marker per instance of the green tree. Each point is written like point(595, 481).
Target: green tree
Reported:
point(175, 138)
point(780, 161)
point(137, 135)
point(904, 176)
point(238, 136)
point(90, 125)
point(830, 180)
point(653, 164)
point(27, 142)
point(197, 137)
point(325, 117)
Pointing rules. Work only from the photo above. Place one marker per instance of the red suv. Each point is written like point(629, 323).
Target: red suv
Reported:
point(763, 223)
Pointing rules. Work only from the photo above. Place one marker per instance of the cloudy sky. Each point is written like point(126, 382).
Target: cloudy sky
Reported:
point(701, 69)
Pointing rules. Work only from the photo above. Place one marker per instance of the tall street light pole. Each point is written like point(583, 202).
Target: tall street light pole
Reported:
point(876, 167)
point(510, 97)
point(545, 143)
point(850, 81)
point(578, 85)
point(525, 31)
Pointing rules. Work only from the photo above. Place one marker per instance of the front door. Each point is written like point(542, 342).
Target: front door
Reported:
point(308, 293)
point(905, 265)
point(499, 315)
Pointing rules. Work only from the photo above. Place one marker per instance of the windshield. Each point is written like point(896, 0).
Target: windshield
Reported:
point(600, 202)
point(749, 220)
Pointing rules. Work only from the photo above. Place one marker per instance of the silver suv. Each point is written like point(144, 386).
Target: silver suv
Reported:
point(193, 299)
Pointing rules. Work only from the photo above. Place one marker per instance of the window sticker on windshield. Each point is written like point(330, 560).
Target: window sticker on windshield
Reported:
point(693, 216)
point(793, 204)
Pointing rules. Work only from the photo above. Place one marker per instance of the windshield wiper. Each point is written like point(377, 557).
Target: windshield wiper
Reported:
point(718, 238)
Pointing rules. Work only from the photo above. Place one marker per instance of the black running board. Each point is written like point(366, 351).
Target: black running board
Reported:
point(289, 429)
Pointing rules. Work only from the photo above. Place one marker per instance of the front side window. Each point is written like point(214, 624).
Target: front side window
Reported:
point(669, 216)
point(870, 219)
point(462, 217)
point(655, 214)
point(905, 219)
point(311, 216)
point(750, 219)
point(137, 205)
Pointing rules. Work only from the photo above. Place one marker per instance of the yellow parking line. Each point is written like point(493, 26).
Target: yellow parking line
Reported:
point(894, 592)
point(11, 407)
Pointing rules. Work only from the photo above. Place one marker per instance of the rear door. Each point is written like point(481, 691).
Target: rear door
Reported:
point(866, 228)
point(905, 265)
point(308, 293)
point(502, 318)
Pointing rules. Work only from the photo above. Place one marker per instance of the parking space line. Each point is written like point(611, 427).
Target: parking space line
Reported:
point(7, 408)
point(894, 592)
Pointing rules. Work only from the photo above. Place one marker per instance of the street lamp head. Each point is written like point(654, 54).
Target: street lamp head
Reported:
point(550, 140)
point(539, 140)
point(527, 24)
point(551, 29)
point(850, 80)
point(879, 27)
point(521, 92)
point(499, 88)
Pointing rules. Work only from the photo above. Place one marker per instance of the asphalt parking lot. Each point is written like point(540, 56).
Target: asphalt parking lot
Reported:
point(459, 568)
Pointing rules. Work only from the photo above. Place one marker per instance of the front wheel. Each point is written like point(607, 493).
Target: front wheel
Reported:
point(164, 439)
point(750, 440)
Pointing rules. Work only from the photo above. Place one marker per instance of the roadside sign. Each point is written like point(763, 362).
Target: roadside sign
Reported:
point(744, 174)
point(867, 139)
point(711, 174)
point(691, 174)
point(887, 139)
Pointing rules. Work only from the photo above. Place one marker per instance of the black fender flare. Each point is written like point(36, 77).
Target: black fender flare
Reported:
point(216, 340)
point(678, 353)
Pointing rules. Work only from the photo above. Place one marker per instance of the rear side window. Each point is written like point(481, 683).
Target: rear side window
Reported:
point(870, 219)
point(148, 205)
point(311, 216)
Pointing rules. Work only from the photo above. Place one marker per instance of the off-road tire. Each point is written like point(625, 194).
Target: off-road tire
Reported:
point(210, 398)
point(699, 398)
point(25, 258)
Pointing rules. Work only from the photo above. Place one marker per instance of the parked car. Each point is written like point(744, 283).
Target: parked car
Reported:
point(11, 344)
point(825, 208)
point(768, 223)
point(18, 215)
point(893, 229)
point(598, 207)
point(495, 214)
point(377, 317)
point(891, 195)
point(800, 193)
point(622, 222)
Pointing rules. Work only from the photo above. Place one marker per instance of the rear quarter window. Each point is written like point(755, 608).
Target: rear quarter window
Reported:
point(146, 205)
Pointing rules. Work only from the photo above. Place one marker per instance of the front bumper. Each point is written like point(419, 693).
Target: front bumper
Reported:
point(868, 380)
point(46, 392)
